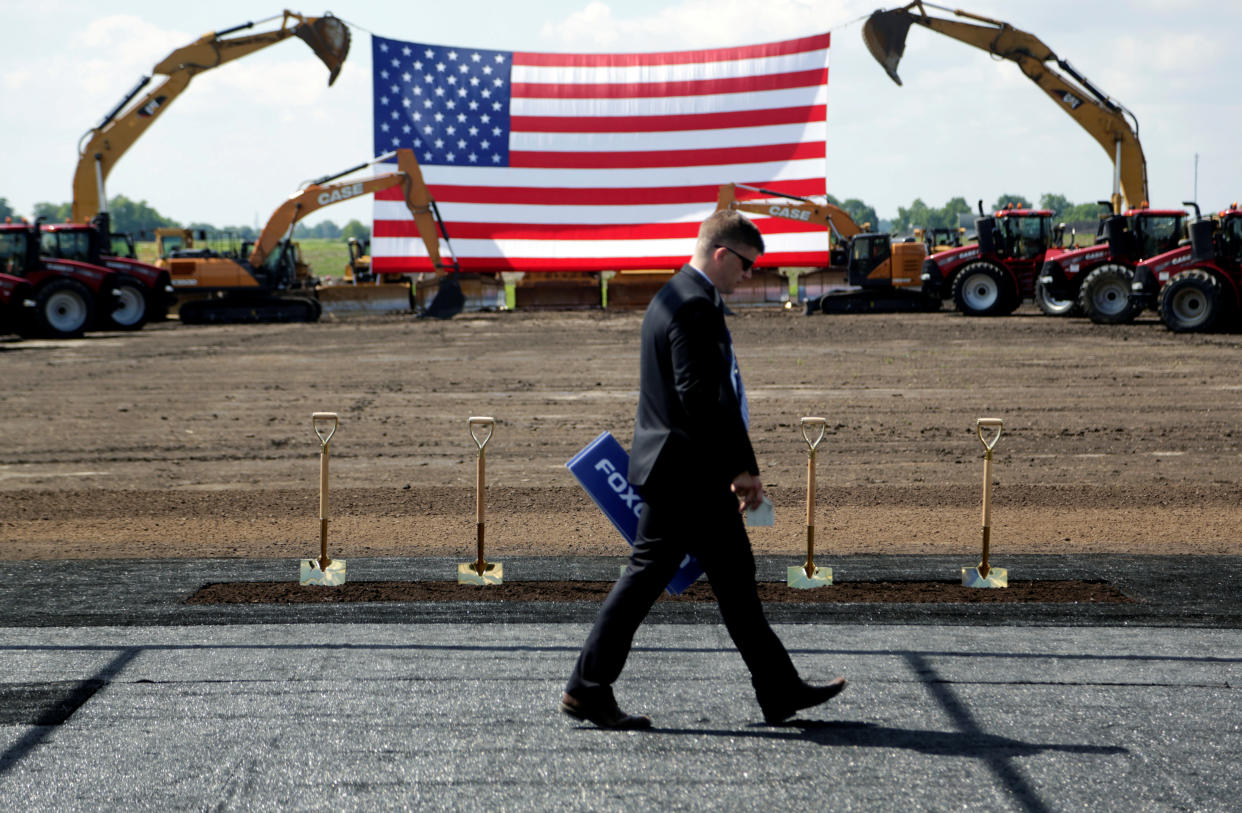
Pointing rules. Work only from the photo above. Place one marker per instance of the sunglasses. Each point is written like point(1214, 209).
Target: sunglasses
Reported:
point(747, 263)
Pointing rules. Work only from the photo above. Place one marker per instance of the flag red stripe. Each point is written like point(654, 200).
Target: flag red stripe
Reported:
point(405, 265)
point(794, 46)
point(619, 196)
point(653, 124)
point(577, 231)
point(647, 159)
point(689, 87)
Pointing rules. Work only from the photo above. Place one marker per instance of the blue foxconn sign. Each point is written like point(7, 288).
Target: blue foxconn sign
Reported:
point(600, 469)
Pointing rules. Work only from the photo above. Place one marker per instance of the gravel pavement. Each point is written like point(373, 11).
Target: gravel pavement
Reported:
point(448, 708)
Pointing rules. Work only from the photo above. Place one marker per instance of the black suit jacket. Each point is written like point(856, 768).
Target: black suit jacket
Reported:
point(689, 430)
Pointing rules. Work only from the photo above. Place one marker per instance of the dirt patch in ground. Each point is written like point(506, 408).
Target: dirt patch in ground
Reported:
point(191, 441)
point(916, 592)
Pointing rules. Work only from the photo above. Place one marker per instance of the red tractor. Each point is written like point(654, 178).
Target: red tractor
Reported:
point(1094, 281)
point(14, 301)
point(64, 295)
point(1196, 288)
point(992, 277)
point(142, 291)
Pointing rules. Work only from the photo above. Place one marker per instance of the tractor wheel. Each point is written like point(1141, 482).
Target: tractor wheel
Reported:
point(1105, 295)
point(1191, 302)
point(130, 305)
point(1051, 306)
point(982, 289)
point(63, 309)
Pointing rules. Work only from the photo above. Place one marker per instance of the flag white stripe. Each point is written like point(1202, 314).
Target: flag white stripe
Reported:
point(625, 74)
point(710, 175)
point(672, 105)
point(674, 140)
point(395, 210)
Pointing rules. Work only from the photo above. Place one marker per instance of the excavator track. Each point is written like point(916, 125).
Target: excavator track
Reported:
point(877, 301)
point(231, 310)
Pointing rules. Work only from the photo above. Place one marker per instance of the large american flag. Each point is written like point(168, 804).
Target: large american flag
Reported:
point(586, 162)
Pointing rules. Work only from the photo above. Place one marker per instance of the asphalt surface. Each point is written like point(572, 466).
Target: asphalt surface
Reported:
point(117, 695)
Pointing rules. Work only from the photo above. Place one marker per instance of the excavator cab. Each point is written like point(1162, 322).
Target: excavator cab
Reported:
point(868, 253)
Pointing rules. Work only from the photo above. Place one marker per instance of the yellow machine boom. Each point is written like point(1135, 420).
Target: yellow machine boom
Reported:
point(320, 193)
point(102, 146)
point(1111, 125)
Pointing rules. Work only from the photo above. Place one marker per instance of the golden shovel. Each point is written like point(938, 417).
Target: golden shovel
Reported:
point(808, 575)
point(323, 571)
point(985, 575)
point(481, 571)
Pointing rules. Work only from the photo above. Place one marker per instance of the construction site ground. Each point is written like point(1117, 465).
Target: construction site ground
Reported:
point(180, 441)
point(139, 469)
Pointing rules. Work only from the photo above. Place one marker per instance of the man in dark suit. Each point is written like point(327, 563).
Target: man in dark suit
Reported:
point(693, 464)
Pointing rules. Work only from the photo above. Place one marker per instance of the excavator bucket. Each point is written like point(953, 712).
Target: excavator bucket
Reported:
point(885, 36)
point(328, 37)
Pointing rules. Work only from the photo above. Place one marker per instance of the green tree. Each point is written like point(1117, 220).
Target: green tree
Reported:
point(356, 230)
point(1018, 202)
point(52, 212)
point(952, 212)
point(919, 214)
point(6, 210)
point(131, 217)
point(862, 213)
point(325, 230)
point(1059, 204)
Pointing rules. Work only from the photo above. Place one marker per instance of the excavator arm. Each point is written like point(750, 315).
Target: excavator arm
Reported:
point(836, 219)
point(102, 146)
point(321, 192)
point(1114, 127)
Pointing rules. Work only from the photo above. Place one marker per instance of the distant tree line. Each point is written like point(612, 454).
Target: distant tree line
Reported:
point(920, 215)
point(141, 220)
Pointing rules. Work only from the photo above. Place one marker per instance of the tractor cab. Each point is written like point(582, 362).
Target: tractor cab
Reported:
point(939, 239)
point(68, 243)
point(1023, 234)
point(1143, 232)
point(19, 254)
point(1229, 236)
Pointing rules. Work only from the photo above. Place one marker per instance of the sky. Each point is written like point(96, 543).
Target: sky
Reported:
point(244, 136)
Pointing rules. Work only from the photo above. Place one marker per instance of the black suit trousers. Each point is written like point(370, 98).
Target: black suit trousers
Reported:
point(676, 522)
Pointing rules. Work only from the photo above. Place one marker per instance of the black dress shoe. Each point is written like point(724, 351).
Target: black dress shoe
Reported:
point(604, 714)
point(777, 709)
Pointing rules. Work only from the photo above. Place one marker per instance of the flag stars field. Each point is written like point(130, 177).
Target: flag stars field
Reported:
point(585, 162)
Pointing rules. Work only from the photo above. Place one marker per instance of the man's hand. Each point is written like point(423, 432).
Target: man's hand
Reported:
point(749, 491)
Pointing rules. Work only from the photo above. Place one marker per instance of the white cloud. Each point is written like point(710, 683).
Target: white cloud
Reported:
point(693, 24)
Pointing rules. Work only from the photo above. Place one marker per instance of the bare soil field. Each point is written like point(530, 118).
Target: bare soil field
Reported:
point(196, 441)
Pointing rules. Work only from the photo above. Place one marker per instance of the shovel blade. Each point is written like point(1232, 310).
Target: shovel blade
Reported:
point(997, 577)
point(331, 576)
point(493, 573)
point(796, 578)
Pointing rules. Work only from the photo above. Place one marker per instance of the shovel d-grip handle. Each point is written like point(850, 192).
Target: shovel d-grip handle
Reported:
point(807, 423)
point(988, 445)
point(324, 424)
point(477, 424)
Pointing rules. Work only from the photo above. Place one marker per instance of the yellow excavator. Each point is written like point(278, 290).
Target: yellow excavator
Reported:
point(1113, 126)
point(102, 146)
point(881, 276)
point(269, 282)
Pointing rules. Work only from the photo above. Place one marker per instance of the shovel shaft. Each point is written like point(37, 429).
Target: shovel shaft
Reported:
point(323, 483)
point(987, 490)
point(324, 561)
point(988, 444)
point(810, 513)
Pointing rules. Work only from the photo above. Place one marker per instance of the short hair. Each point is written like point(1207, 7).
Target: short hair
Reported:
point(728, 227)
